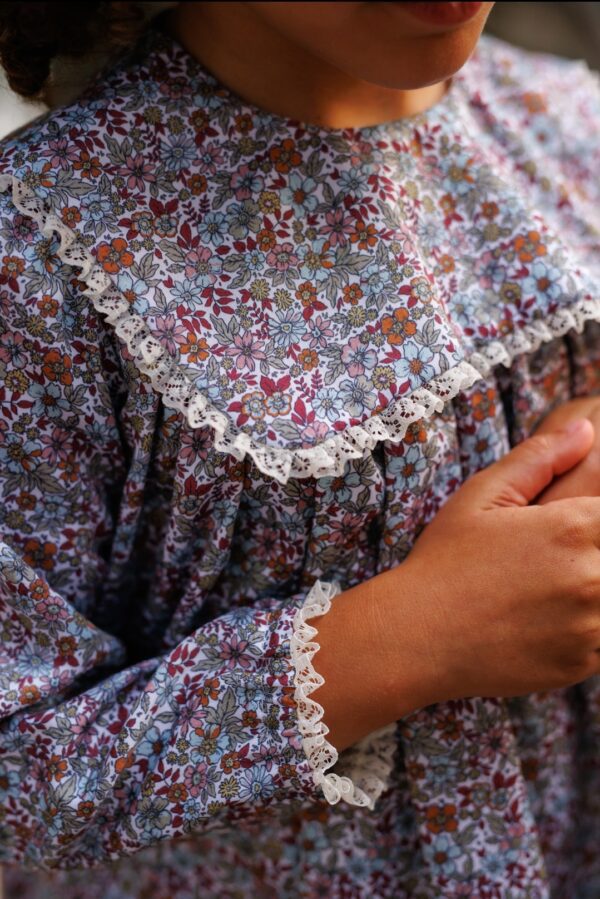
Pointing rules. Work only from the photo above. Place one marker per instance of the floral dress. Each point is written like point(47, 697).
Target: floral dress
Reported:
point(244, 360)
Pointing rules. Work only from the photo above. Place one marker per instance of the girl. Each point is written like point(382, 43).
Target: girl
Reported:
point(294, 600)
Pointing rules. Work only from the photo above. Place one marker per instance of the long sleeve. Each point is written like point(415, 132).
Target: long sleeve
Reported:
point(98, 760)
point(105, 746)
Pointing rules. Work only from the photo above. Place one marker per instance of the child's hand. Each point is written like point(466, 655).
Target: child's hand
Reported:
point(498, 597)
point(584, 478)
point(505, 594)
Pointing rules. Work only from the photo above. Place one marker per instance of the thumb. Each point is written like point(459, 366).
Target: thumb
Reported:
point(523, 473)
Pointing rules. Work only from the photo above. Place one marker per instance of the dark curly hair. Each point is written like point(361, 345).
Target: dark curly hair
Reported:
point(32, 35)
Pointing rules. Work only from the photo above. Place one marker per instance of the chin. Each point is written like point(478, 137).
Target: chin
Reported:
point(428, 61)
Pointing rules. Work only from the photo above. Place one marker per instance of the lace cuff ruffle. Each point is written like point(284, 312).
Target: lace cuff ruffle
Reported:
point(363, 770)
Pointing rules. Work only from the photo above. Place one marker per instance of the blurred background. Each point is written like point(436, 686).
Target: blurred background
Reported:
point(567, 29)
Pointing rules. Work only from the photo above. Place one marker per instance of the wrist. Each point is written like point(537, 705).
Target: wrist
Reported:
point(375, 657)
point(413, 637)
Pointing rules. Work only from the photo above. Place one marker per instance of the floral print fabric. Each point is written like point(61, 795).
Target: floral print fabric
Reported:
point(306, 280)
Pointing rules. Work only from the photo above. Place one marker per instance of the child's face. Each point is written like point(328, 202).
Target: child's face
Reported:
point(396, 45)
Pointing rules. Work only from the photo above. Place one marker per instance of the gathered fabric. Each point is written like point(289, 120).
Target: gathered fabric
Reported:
point(244, 360)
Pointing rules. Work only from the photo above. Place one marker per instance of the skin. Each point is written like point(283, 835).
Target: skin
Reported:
point(584, 479)
point(315, 64)
point(500, 595)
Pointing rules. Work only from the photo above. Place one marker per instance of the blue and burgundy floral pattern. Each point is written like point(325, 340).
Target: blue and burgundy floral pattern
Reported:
point(307, 279)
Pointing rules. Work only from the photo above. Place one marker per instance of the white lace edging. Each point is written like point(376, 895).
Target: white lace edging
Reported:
point(328, 458)
point(363, 769)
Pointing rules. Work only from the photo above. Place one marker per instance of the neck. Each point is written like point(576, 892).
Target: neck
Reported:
point(290, 81)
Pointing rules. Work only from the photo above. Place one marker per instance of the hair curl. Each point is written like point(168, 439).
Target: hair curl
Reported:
point(33, 35)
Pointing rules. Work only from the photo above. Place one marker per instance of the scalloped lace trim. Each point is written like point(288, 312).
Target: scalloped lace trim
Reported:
point(328, 458)
point(363, 770)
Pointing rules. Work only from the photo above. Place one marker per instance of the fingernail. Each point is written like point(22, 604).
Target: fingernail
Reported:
point(576, 427)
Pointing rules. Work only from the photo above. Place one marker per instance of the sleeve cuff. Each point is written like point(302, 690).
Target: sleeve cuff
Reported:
point(363, 770)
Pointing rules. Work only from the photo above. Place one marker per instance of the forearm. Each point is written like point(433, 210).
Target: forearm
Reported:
point(373, 657)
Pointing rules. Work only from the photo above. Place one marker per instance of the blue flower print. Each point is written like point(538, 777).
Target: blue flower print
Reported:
point(300, 194)
point(482, 445)
point(543, 282)
point(213, 227)
point(153, 816)
point(178, 153)
point(286, 328)
point(378, 285)
point(414, 365)
point(243, 218)
point(49, 400)
point(256, 785)
point(152, 745)
point(135, 290)
point(98, 207)
point(312, 255)
point(442, 853)
point(358, 395)
point(354, 181)
point(339, 490)
point(328, 403)
point(409, 467)
point(187, 292)
point(255, 261)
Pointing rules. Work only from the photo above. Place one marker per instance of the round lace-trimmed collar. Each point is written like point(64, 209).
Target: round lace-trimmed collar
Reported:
point(307, 292)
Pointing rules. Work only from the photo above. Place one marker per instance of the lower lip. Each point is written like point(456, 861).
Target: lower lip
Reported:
point(443, 13)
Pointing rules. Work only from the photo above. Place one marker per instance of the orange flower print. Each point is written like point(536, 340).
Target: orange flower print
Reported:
point(306, 293)
point(249, 718)
point(39, 590)
point(352, 294)
point(416, 433)
point(29, 694)
point(199, 119)
point(230, 761)
point(447, 263)
point(12, 266)
point(243, 123)
point(528, 247)
point(47, 306)
point(38, 554)
point(177, 793)
point(266, 240)
point(210, 690)
point(85, 809)
point(56, 768)
point(69, 469)
point(70, 215)
point(66, 647)
point(26, 501)
point(448, 204)
point(398, 326)
point(441, 818)
point(195, 348)
point(253, 405)
point(197, 185)
point(57, 367)
point(490, 210)
point(364, 235)
point(534, 102)
point(89, 166)
point(113, 256)
point(308, 359)
point(285, 156)
point(420, 289)
point(484, 404)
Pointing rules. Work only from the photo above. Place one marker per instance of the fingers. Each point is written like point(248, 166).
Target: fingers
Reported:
point(518, 478)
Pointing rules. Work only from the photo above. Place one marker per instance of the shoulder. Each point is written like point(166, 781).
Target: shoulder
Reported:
point(529, 86)
point(506, 68)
